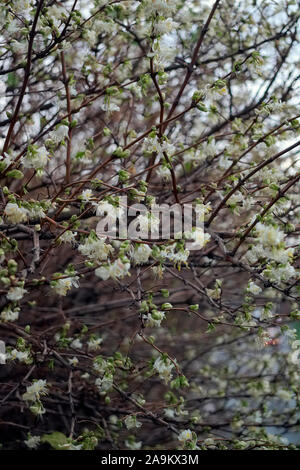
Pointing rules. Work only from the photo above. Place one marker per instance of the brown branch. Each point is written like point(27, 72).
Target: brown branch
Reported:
point(243, 180)
point(26, 78)
point(279, 195)
point(193, 61)
point(68, 97)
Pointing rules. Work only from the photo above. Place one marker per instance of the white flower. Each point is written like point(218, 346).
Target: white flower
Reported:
point(154, 318)
point(170, 413)
point(85, 376)
point(57, 13)
point(22, 6)
point(68, 237)
point(201, 238)
point(73, 361)
point(100, 365)
point(119, 269)
point(142, 253)
point(165, 26)
point(136, 90)
point(269, 235)
point(147, 222)
point(33, 442)
point(18, 47)
point(185, 435)
point(153, 144)
point(294, 356)
point(105, 208)
point(291, 333)
point(210, 148)
point(95, 248)
point(164, 368)
point(131, 422)
point(164, 173)
point(59, 134)
point(2, 88)
point(177, 257)
point(214, 293)
point(253, 288)
point(280, 273)
point(16, 293)
point(94, 344)
point(224, 163)
point(5, 159)
point(166, 52)
point(15, 214)
point(109, 106)
point(36, 158)
point(21, 356)
point(162, 7)
point(255, 253)
point(282, 256)
point(104, 26)
point(36, 390)
point(285, 394)
point(87, 195)
point(13, 26)
point(296, 345)
point(76, 344)
point(144, 222)
point(36, 212)
point(235, 198)
point(62, 286)
point(104, 384)
point(133, 445)
point(90, 36)
point(201, 210)
point(3, 356)
point(10, 315)
point(103, 272)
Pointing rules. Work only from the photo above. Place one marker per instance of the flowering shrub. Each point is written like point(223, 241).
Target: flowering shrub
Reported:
point(136, 343)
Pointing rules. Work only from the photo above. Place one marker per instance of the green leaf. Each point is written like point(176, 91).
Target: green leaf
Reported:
point(17, 174)
point(55, 439)
point(12, 80)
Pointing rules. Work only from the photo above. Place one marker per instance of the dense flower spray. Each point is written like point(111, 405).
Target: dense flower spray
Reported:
point(134, 338)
